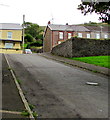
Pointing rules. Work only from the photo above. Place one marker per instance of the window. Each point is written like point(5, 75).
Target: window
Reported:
point(97, 36)
point(105, 36)
point(0, 35)
point(60, 35)
point(88, 36)
point(69, 35)
point(8, 45)
point(59, 42)
point(80, 35)
point(9, 35)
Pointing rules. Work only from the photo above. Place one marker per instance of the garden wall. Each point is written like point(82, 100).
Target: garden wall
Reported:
point(80, 47)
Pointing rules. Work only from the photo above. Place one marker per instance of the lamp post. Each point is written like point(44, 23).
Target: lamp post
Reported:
point(23, 32)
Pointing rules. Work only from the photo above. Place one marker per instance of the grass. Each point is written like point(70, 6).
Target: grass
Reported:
point(103, 61)
point(25, 113)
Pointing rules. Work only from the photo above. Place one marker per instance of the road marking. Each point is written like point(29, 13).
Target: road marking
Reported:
point(21, 92)
point(10, 112)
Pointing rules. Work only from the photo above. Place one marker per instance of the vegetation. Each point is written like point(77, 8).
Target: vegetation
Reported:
point(101, 8)
point(28, 38)
point(19, 81)
point(25, 113)
point(33, 35)
point(31, 106)
point(102, 61)
point(35, 114)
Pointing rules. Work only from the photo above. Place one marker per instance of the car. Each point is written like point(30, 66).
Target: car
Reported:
point(27, 51)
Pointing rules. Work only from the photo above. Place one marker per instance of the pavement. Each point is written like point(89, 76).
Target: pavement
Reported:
point(12, 105)
point(86, 66)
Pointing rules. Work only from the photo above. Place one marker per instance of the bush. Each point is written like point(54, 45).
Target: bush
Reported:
point(38, 43)
point(28, 38)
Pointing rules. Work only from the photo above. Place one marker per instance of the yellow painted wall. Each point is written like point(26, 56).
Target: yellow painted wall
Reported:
point(16, 34)
point(9, 51)
point(16, 45)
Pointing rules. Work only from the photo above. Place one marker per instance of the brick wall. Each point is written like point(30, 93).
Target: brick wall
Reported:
point(78, 47)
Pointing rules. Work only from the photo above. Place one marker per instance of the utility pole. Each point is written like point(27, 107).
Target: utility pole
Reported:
point(23, 32)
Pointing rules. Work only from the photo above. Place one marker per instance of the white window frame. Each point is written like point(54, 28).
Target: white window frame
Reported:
point(9, 45)
point(105, 36)
point(61, 35)
point(59, 42)
point(80, 35)
point(69, 35)
point(88, 35)
point(97, 35)
point(9, 35)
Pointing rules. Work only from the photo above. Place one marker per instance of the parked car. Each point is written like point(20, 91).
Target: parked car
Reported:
point(27, 51)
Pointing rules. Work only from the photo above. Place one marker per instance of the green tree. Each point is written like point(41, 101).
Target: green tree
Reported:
point(28, 38)
point(33, 29)
point(101, 8)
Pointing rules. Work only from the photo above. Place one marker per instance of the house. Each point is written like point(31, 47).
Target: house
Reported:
point(55, 34)
point(10, 38)
point(99, 32)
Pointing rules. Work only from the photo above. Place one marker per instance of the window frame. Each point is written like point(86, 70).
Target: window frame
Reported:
point(68, 35)
point(98, 36)
point(9, 35)
point(87, 35)
point(106, 36)
point(80, 35)
point(61, 37)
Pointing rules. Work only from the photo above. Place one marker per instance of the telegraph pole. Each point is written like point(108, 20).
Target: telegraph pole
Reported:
point(23, 31)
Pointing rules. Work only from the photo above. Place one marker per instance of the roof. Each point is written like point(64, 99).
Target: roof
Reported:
point(67, 27)
point(99, 28)
point(10, 26)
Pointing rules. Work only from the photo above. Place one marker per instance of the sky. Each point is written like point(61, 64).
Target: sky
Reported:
point(42, 11)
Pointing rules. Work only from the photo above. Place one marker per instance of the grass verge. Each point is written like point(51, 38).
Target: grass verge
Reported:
point(103, 61)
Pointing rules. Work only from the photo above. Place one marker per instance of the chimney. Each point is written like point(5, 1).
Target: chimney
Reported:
point(49, 22)
point(66, 23)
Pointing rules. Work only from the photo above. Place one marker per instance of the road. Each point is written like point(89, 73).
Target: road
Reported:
point(0, 85)
point(60, 91)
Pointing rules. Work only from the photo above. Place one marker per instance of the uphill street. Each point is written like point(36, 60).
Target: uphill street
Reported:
point(58, 90)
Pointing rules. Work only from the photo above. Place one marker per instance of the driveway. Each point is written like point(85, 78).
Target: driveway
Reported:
point(60, 91)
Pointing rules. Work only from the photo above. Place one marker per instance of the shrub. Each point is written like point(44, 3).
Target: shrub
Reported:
point(28, 38)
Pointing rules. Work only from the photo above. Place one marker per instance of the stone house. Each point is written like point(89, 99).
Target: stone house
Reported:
point(10, 38)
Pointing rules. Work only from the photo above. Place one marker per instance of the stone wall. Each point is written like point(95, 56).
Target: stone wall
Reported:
point(63, 49)
point(79, 47)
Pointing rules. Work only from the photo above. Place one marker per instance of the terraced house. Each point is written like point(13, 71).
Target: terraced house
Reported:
point(10, 38)
point(56, 34)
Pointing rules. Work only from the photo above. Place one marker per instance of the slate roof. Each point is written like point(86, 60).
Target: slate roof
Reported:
point(10, 26)
point(67, 27)
point(98, 28)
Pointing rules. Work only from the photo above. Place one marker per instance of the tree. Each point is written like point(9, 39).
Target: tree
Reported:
point(101, 8)
point(28, 38)
point(33, 29)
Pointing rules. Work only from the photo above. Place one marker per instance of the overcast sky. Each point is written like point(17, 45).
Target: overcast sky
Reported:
point(42, 11)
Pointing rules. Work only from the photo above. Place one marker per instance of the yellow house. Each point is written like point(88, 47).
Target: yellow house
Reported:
point(10, 38)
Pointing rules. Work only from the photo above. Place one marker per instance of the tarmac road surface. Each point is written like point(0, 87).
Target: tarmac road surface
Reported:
point(60, 91)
